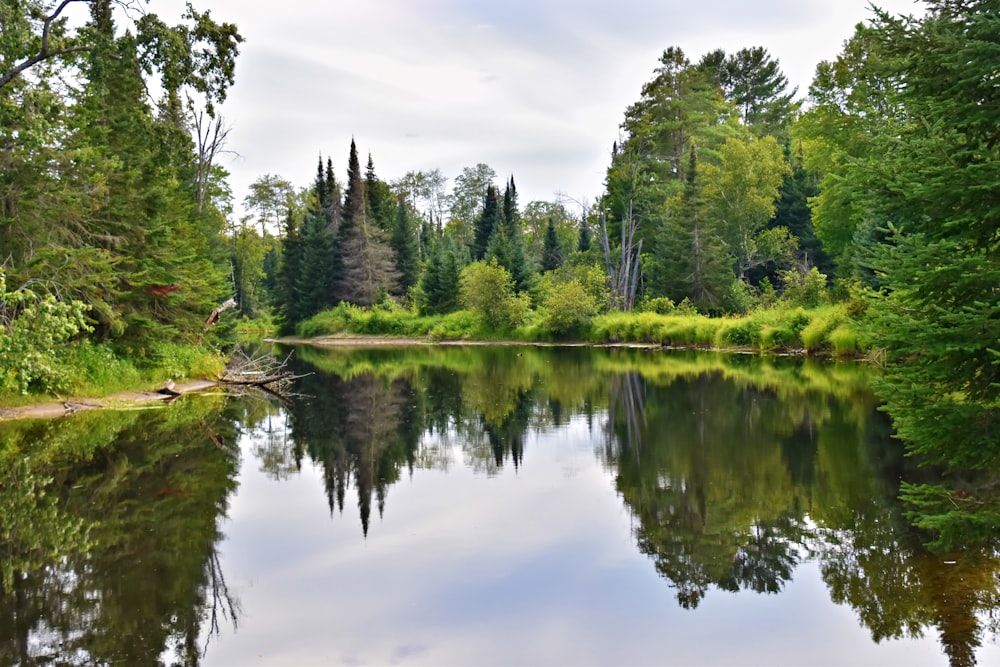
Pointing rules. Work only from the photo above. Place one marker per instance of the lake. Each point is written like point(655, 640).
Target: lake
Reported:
point(486, 506)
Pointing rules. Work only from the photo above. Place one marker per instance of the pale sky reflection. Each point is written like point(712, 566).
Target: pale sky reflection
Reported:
point(532, 567)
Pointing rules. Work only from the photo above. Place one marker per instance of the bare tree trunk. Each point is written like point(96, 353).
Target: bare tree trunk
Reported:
point(211, 135)
point(623, 269)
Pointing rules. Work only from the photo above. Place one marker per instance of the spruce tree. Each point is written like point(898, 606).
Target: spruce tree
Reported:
point(367, 264)
point(406, 246)
point(692, 262)
point(486, 223)
point(583, 243)
point(552, 257)
point(937, 314)
point(439, 283)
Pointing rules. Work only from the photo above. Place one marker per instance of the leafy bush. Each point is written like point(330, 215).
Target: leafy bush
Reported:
point(569, 308)
point(32, 330)
point(488, 291)
point(804, 289)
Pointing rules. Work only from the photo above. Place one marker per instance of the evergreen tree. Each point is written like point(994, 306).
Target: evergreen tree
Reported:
point(583, 242)
point(937, 315)
point(331, 204)
point(793, 212)
point(170, 268)
point(289, 301)
point(506, 243)
point(552, 257)
point(368, 268)
point(405, 245)
point(379, 199)
point(756, 85)
point(486, 223)
point(439, 283)
point(693, 262)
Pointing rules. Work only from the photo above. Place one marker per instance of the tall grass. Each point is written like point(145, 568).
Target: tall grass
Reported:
point(779, 329)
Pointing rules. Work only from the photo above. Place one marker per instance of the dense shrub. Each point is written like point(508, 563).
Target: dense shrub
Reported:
point(487, 289)
point(569, 308)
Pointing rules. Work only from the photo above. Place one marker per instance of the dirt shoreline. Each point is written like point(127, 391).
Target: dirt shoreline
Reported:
point(125, 400)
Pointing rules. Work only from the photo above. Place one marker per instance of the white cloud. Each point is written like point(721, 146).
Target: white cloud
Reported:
point(534, 88)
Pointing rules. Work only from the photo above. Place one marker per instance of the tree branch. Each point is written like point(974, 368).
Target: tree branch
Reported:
point(43, 53)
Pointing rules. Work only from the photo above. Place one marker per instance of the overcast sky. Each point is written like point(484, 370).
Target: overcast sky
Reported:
point(535, 88)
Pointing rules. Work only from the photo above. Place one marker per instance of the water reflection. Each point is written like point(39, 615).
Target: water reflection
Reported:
point(737, 474)
point(110, 529)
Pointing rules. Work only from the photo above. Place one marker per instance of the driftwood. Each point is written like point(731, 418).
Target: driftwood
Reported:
point(263, 372)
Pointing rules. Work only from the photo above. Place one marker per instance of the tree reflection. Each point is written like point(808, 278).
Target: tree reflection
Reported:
point(126, 569)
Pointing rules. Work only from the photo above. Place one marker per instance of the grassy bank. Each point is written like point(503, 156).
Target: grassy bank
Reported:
point(85, 369)
point(823, 330)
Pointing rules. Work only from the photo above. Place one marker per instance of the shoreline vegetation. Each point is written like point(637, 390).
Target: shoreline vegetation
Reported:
point(828, 330)
point(823, 331)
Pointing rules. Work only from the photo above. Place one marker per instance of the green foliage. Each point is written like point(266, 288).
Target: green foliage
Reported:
point(954, 518)
point(33, 332)
point(815, 330)
point(568, 308)
point(487, 289)
point(816, 335)
point(437, 291)
point(804, 289)
point(926, 193)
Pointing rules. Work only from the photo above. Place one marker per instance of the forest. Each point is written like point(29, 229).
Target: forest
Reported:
point(860, 217)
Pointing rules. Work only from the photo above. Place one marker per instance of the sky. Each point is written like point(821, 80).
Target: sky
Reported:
point(536, 89)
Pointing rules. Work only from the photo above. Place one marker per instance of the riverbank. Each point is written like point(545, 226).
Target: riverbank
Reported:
point(119, 401)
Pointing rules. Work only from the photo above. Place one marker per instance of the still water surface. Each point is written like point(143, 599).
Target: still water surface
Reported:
point(487, 506)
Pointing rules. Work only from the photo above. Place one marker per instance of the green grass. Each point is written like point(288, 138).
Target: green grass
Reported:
point(825, 329)
point(97, 369)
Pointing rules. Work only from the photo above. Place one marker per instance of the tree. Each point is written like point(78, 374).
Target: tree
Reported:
point(937, 311)
point(424, 191)
point(693, 261)
point(270, 198)
point(506, 242)
point(792, 212)
point(740, 196)
point(486, 223)
point(439, 283)
point(368, 268)
point(756, 86)
point(466, 200)
point(487, 289)
point(117, 217)
point(379, 198)
point(552, 257)
point(404, 244)
point(850, 102)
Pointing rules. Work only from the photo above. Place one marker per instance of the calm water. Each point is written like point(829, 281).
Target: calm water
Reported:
point(486, 506)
